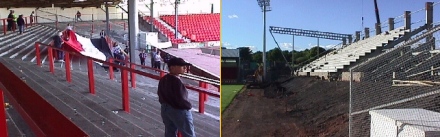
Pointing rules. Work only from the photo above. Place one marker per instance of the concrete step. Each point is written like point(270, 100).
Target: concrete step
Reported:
point(16, 125)
point(89, 116)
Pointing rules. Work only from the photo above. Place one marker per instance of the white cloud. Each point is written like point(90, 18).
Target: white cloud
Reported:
point(253, 48)
point(323, 46)
point(233, 16)
point(286, 46)
point(228, 45)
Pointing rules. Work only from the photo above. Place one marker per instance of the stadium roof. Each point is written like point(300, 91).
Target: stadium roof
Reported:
point(231, 53)
point(56, 3)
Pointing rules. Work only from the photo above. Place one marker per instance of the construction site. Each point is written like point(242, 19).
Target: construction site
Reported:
point(374, 82)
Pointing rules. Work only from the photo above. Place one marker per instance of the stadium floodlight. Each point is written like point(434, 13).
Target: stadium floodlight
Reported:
point(265, 7)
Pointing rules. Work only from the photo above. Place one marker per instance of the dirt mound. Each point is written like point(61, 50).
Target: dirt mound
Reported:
point(308, 107)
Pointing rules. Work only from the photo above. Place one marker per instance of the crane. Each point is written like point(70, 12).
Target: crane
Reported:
point(377, 15)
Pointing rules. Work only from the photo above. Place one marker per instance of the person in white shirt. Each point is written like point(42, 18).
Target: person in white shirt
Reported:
point(157, 60)
point(118, 53)
point(69, 27)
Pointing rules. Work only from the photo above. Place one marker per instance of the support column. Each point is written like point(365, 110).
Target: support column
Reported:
point(293, 50)
point(378, 28)
point(429, 22)
point(407, 20)
point(133, 28)
point(358, 36)
point(264, 44)
point(176, 13)
point(317, 49)
point(391, 24)
point(344, 41)
point(107, 20)
point(350, 39)
point(367, 32)
point(152, 15)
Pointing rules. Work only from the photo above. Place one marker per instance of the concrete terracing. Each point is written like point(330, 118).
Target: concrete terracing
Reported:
point(143, 98)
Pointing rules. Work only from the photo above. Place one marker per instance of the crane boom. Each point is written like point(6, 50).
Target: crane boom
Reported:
point(377, 12)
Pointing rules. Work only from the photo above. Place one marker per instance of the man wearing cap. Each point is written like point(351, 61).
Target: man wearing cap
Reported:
point(173, 97)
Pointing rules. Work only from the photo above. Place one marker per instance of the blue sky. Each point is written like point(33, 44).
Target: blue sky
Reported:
point(242, 20)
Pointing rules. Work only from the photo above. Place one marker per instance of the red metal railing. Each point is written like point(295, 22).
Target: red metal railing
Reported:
point(26, 21)
point(30, 105)
point(131, 67)
point(3, 126)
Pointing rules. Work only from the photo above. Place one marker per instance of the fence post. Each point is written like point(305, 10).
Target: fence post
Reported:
point(349, 104)
point(201, 99)
point(3, 125)
point(37, 53)
point(205, 86)
point(125, 96)
point(162, 74)
point(110, 68)
point(91, 77)
point(4, 27)
point(133, 76)
point(51, 63)
point(67, 66)
point(26, 22)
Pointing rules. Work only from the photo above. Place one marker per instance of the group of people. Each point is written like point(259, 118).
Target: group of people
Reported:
point(14, 21)
point(172, 93)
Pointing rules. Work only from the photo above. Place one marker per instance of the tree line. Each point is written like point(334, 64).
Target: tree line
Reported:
point(274, 55)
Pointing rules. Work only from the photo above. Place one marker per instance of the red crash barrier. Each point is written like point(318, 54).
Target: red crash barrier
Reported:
point(30, 106)
point(28, 22)
point(130, 68)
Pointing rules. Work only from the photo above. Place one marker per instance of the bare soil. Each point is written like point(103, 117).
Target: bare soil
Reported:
point(310, 107)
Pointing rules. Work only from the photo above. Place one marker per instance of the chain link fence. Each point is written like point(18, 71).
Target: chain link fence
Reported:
point(403, 77)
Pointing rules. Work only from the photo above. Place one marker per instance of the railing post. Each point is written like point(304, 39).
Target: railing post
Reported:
point(92, 18)
point(67, 66)
point(4, 27)
point(3, 125)
point(205, 86)
point(201, 99)
point(51, 63)
point(133, 76)
point(14, 26)
point(125, 96)
point(26, 22)
point(125, 28)
point(92, 28)
point(37, 53)
point(110, 68)
point(162, 74)
point(91, 77)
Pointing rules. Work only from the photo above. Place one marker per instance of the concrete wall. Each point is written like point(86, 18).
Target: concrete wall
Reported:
point(314, 74)
point(356, 76)
point(404, 123)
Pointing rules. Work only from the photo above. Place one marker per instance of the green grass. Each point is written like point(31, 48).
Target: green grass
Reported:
point(228, 93)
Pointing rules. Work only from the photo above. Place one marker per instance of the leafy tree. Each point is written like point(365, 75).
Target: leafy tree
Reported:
point(275, 55)
point(257, 57)
point(245, 53)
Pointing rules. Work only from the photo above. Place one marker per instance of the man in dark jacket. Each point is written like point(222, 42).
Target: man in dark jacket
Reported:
point(173, 97)
point(58, 42)
point(20, 24)
point(10, 20)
